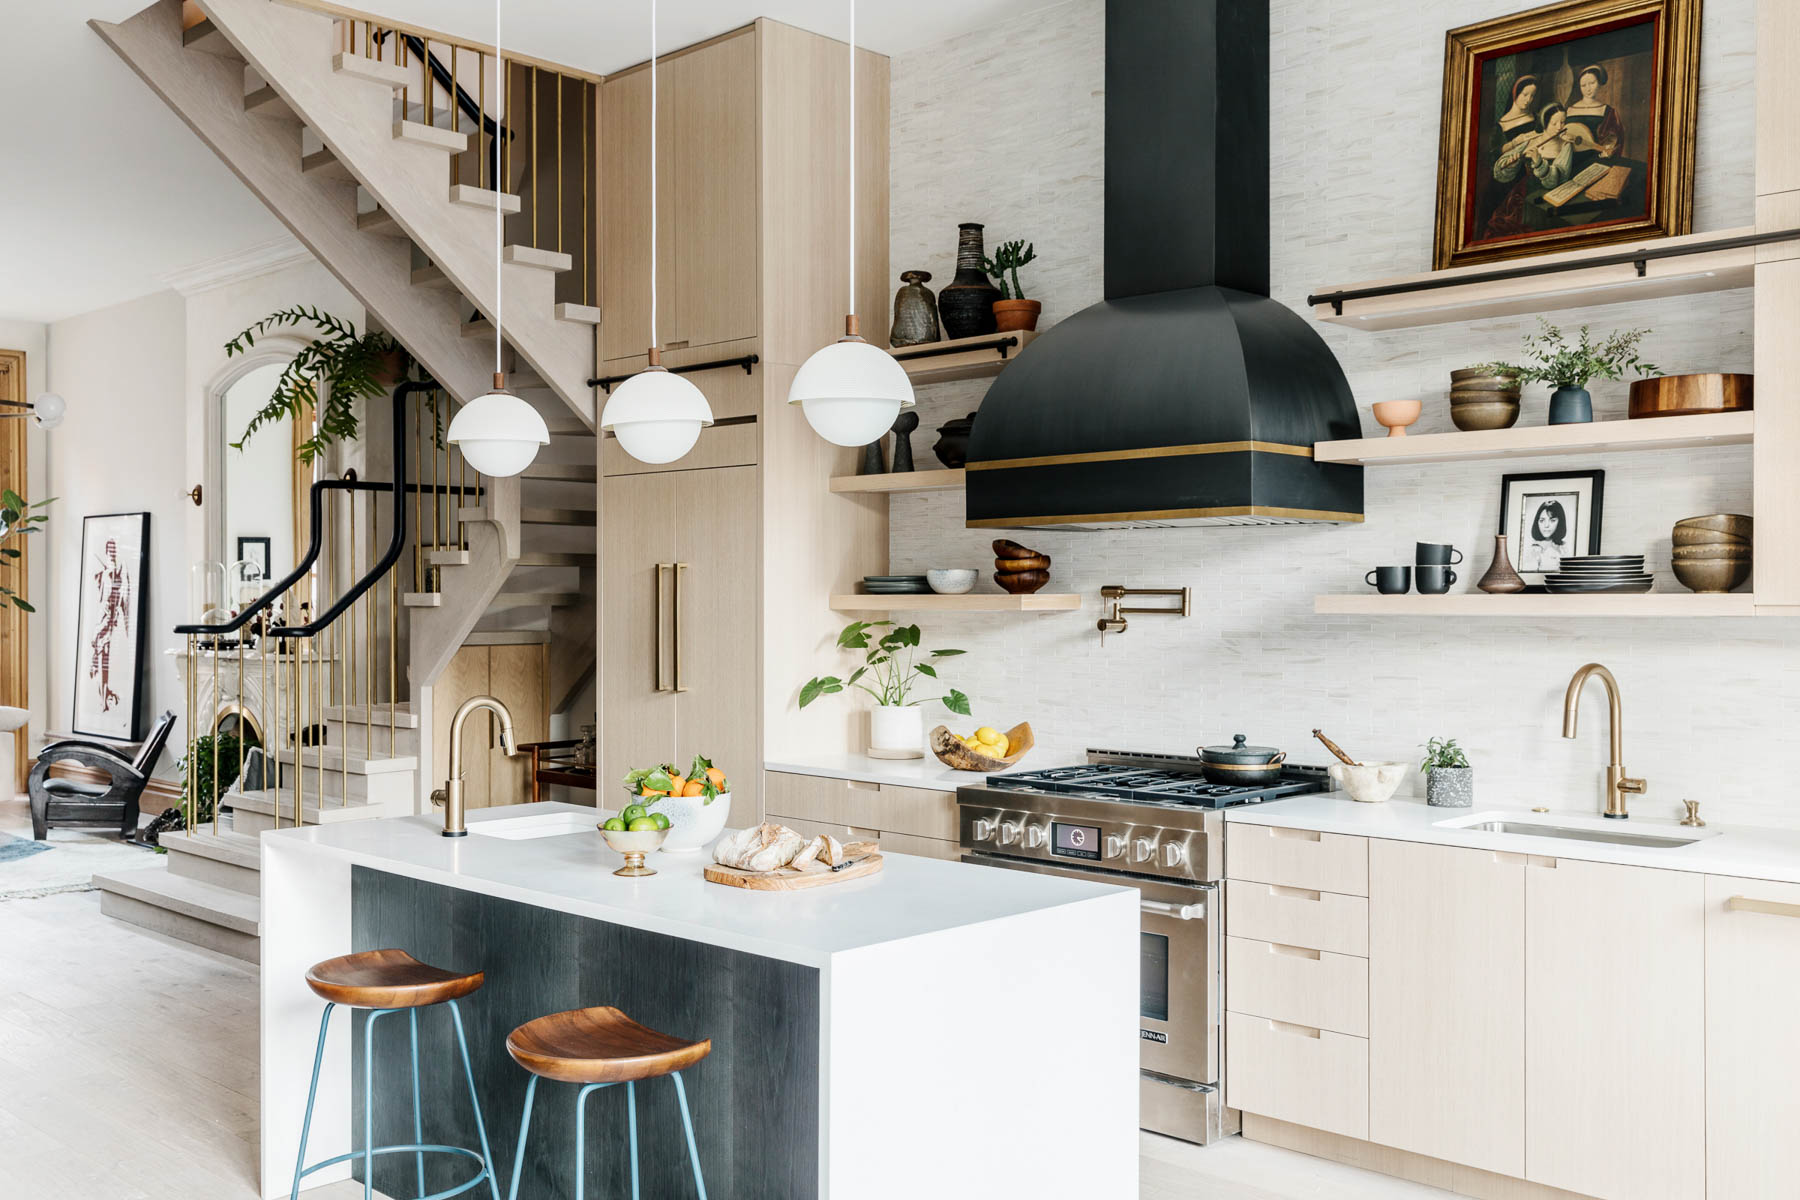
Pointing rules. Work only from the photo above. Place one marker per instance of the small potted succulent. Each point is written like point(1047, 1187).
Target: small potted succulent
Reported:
point(889, 673)
point(1449, 779)
point(1569, 367)
point(1012, 312)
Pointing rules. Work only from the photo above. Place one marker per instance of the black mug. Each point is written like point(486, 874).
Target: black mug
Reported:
point(1432, 554)
point(1435, 579)
point(1390, 581)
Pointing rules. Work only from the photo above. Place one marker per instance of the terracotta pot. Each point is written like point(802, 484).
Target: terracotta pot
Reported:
point(1015, 315)
point(392, 369)
point(1396, 415)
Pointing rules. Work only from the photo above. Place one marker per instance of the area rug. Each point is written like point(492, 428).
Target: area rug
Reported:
point(65, 863)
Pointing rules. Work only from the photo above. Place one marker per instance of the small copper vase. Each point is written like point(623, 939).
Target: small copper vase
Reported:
point(1500, 577)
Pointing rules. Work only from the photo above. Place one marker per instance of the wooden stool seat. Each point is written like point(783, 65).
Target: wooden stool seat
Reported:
point(388, 979)
point(599, 1045)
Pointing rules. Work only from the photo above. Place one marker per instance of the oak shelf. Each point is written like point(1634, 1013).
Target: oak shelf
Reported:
point(967, 602)
point(1597, 437)
point(962, 358)
point(945, 480)
point(1538, 605)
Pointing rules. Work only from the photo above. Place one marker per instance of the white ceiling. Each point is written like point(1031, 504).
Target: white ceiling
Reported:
point(113, 194)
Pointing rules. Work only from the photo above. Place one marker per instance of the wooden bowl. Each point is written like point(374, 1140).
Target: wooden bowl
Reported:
point(1712, 575)
point(1685, 395)
point(952, 753)
point(1037, 562)
point(1021, 583)
point(1481, 379)
point(1484, 414)
point(1684, 535)
point(1732, 523)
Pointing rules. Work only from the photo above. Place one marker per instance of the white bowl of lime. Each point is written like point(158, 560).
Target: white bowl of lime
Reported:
point(694, 824)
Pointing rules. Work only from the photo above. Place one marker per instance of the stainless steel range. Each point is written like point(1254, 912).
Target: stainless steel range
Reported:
point(1153, 822)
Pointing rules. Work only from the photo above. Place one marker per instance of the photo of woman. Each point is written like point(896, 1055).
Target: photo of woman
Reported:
point(1544, 542)
point(1550, 516)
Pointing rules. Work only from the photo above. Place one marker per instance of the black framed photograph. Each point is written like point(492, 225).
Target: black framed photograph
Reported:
point(255, 550)
point(110, 640)
point(1548, 516)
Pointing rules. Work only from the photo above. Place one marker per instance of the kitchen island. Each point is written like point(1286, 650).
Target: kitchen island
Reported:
point(889, 1036)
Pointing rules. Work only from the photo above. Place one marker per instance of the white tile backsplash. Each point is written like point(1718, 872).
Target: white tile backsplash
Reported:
point(1007, 126)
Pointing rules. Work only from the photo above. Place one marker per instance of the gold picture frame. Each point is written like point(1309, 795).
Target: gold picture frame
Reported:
point(1567, 126)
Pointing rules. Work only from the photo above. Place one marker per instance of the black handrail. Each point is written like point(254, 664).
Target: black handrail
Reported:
point(465, 103)
point(907, 353)
point(746, 361)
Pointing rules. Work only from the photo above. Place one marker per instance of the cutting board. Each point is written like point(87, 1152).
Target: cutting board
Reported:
point(789, 880)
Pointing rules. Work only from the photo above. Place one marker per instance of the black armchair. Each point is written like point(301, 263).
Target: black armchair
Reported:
point(72, 802)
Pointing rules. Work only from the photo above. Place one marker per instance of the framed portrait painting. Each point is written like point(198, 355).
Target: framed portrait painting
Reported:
point(1567, 126)
point(110, 640)
point(1549, 516)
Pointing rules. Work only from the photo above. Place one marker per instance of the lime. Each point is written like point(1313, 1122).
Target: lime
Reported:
point(614, 825)
point(643, 825)
point(662, 822)
point(633, 812)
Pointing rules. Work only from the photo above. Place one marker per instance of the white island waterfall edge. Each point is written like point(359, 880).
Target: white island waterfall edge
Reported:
point(1011, 967)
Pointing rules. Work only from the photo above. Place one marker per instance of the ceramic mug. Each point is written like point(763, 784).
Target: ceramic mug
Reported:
point(1435, 579)
point(1390, 581)
point(1432, 554)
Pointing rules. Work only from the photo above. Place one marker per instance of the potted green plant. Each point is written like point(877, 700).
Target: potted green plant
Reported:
point(357, 366)
point(18, 517)
point(1012, 312)
point(1449, 779)
point(1569, 367)
point(891, 670)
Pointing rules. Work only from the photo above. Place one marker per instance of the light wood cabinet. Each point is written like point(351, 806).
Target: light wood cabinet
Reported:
point(1446, 1003)
point(1288, 916)
point(1297, 1073)
point(906, 820)
point(1300, 858)
point(1615, 1027)
point(518, 677)
point(1752, 1038)
point(679, 633)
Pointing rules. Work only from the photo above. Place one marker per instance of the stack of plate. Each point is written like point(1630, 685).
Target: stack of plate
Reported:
point(1600, 573)
point(896, 585)
point(1712, 553)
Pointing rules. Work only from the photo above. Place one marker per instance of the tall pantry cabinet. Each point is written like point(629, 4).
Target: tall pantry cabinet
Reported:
point(717, 569)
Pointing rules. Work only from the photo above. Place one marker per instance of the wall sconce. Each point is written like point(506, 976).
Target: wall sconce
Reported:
point(1114, 621)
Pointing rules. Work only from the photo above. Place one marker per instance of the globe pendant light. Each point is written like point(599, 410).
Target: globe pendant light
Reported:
point(498, 433)
point(851, 391)
point(656, 415)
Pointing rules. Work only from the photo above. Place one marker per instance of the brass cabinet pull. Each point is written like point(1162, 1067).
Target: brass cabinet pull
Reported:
point(660, 568)
point(679, 568)
point(1773, 908)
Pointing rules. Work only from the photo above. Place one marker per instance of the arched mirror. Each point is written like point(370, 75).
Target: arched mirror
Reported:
point(256, 496)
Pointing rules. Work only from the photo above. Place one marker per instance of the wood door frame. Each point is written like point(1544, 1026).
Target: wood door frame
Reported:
point(15, 676)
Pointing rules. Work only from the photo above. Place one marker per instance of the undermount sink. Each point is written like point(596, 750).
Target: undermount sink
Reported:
point(1578, 830)
point(539, 825)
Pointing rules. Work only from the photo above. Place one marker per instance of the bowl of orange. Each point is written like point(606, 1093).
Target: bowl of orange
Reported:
point(696, 802)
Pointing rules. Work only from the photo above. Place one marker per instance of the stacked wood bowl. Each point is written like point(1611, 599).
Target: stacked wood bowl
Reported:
point(1481, 398)
point(1712, 553)
point(1019, 570)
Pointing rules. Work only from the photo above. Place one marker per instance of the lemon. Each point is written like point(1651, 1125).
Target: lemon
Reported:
point(1000, 748)
point(990, 735)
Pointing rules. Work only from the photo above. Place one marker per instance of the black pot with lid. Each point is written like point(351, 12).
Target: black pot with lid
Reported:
point(1241, 765)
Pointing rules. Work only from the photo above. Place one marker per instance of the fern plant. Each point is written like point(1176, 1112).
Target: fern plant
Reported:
point(1009, 257)
point(356, 366)
point(18, 517)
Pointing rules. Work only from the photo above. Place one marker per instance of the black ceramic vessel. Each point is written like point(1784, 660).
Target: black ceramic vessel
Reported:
point(952, 448)
point(915, 311)
point(966, 305)
point(904, 424)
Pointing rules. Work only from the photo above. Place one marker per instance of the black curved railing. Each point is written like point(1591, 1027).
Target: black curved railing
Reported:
point(466, 104)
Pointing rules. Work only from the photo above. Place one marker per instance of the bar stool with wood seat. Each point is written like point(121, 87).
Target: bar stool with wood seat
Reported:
point(382, 982)
point(599, 1047)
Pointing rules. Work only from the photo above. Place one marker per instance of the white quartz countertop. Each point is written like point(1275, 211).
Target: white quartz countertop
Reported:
point(910, 897)
point(1743, 851)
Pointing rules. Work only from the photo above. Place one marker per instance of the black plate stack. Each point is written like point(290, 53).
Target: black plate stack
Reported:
point(895, 585)
point(1618, 573)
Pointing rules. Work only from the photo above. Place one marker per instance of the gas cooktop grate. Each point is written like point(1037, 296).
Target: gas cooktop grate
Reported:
point(1136, 785)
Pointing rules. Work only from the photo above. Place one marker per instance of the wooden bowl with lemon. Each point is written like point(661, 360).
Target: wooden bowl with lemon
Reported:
point(987, 749)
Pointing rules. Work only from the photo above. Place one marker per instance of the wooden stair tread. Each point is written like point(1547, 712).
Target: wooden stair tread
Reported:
point(353, 714)
point(265, 101)
point(379, 221)
point(430, 135)
point(482, 198)
point(505, 600)
point(422, 599)
point(324, 164)
point(229, 846)
point(585, 314)
point(206, 38)
point(508, 637)
point(190, 897)
point(361, 66)
point(333, 759)
point(562, 472)
point(280, 801)
point(531, 256)
point(431, 276)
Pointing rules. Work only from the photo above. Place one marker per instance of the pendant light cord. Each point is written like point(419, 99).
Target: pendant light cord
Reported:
point(852, 308)
point(654, 342)
point(499, 191)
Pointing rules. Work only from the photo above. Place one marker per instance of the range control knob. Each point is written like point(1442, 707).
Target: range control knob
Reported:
point(983, 829)
point(1009, 832)
point(1174, 854)
point(1143, 849)
point(1035, 836)
point(1115, 845)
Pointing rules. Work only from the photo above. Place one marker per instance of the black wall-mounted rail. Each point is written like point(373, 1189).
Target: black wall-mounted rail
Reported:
point(1639, 258)
point(908, 353)
point(605, 382)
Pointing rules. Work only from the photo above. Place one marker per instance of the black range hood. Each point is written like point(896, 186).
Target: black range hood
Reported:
point(1187, 396)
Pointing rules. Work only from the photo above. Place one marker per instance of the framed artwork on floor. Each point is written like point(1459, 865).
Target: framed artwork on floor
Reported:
point(1548, 516)
point(1567, 126)
point(110, 641)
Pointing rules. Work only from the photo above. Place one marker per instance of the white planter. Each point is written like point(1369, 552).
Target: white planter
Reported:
point(693, 823)
point(897, 730)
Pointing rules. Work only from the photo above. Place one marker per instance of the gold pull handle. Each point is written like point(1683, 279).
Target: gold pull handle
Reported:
point(1772, 908)
point(660, 568)
point(679, 568)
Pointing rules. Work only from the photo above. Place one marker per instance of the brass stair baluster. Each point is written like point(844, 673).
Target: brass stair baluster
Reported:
point(193, 703)
point(213, 731)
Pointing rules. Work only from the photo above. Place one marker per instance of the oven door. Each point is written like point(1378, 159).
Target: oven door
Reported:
point(1178, 967)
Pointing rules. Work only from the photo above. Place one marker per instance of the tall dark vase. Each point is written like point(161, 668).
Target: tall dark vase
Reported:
point(966, 304)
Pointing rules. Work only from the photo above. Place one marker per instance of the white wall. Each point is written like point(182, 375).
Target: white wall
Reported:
point(1009, 129)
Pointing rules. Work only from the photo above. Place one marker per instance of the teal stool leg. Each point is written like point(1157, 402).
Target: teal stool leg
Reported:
point(311, 1095)
point(418, 1110)
point(368, 1155)
point(487, 1155)
point(524, 1128)
point(687, 1125)
point(631, 1119)
point(581, 1136)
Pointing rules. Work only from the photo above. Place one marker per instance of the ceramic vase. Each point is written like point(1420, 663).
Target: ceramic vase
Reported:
point(952, 448)
point(1501, 577)
point(915, 311)
point(966, 305)
point(1450, 787)
point(896, 731)
point(904, 424)
point(1571, 406)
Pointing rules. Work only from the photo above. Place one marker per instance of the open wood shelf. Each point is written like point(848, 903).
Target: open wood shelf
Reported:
point(1713, 271)
point(968, 602)
point(1538, 605)
point(1597, 437)
point(945, 480)
point(962, 358)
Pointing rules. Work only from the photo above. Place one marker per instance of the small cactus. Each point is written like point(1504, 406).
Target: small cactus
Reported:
point(1009, 257)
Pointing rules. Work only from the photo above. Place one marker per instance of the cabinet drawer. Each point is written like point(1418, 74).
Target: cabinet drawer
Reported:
point(812, 829)
point(719, 446)
point(1301, 917)
point(920, 812)
point(921, 847)
point(1292, 983)
point(826, 801)
point(1301, 858)
point(1297, 1073)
